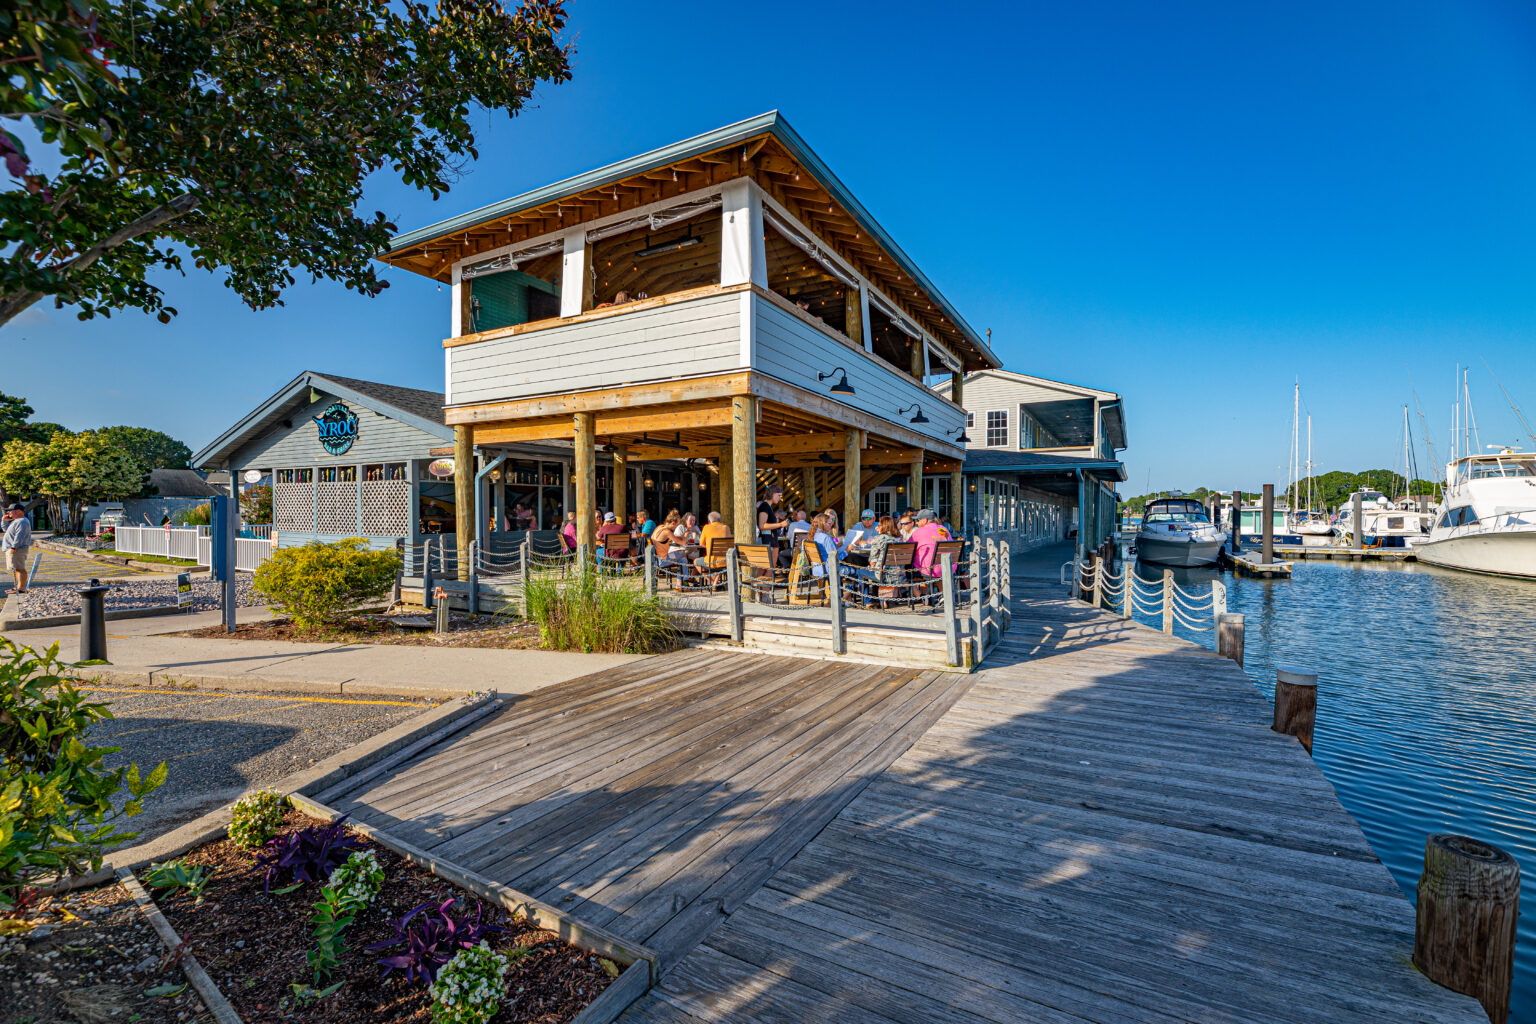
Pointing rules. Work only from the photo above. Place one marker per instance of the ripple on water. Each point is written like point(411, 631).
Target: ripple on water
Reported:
point(1426, 706)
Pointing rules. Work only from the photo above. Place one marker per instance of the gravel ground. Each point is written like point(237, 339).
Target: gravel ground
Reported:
point(144, 592)
point(217, 745)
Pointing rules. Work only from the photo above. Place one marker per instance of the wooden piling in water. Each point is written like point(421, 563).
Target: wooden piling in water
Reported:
point(1168, 601)
point(1267, 528)
point(1229, 637)
point(1295, 704)
point(1358, 522)
point(1464, 931)
point(1236, 540)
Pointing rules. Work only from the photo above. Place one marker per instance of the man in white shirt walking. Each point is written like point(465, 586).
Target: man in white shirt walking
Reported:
point(16, 544)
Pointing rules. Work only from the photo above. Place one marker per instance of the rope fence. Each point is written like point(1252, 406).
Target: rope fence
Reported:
point(1121, 590)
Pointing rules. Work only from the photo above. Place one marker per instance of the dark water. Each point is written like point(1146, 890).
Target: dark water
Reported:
point(1426, 700)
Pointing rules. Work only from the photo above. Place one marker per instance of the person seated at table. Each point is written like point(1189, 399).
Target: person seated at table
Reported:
point(926, 535)
point(713, 530)
point(949, 533)
point(877, 546)
point(610, 527)
point(906, 525)
point(798, 524)
point(644, 525)
point(831, 515)
point(860, 533)
point(671, 547)
point(821, 536)
point(689, 527)
point(568, 532)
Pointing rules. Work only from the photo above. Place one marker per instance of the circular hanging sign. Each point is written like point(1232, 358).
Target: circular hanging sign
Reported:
point(253, 476)
point(441, 467)
point(338, 428)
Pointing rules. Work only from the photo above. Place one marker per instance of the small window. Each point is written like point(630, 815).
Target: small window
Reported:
point(997, 428)
point(970, 420)
point(295, 476)
point(328, 474)
point(394, 471)
point(346, 474)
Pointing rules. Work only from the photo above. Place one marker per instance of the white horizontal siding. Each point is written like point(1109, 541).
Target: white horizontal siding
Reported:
point(794, 352)
point(684, 339)
point(379, 439)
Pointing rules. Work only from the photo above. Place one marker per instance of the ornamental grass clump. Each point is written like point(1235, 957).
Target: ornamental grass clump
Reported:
point(317, 583)
point(256, 818)
point(597, 613)
point(468, 990)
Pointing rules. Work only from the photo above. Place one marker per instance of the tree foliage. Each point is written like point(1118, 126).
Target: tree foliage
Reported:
point(151, 449)
point(256, 504)
point(70, 472)
point(1329, 490)
point(16, 423)
point(239, 133)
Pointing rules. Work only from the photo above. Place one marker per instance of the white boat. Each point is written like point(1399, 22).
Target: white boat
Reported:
point(1311, 524)
point(1487, 520)
point(1177, 531)
point(1385, 524)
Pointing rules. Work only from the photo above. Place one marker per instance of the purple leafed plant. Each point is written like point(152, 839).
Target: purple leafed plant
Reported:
point(431, 937)
point(307, 855)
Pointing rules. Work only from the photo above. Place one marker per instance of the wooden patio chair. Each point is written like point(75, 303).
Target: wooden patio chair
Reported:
point(898, 555)
point(615, 548)
point(804, 585)
point(953, 549)
point(714, 562)
point(757, 572)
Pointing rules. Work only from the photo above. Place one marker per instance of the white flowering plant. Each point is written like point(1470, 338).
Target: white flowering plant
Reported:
point(469, 987)
point(347, 893)
point(256, 818)
point(356, 882)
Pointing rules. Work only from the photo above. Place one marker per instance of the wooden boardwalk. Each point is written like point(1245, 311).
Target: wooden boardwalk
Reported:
point(1098, 826)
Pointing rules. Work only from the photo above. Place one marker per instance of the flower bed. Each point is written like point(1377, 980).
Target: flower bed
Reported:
point(261, 938)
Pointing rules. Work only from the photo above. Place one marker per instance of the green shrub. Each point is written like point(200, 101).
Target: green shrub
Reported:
point(256, 818)
point(56, 799)
point(593, 612)
point(315, 583)
point(197, 515)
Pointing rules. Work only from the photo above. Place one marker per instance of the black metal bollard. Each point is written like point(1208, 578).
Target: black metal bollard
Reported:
point(93, 622)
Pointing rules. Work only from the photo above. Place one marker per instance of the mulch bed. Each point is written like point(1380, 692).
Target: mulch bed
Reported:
point(253, 945)
point(91, 958)
point(492, 631)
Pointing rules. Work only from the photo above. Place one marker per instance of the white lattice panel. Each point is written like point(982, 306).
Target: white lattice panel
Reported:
point(337, 506)
point(385, 508)
point(293, 506)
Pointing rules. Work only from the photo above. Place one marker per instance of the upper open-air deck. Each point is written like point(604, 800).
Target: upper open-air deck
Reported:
point(724, 298)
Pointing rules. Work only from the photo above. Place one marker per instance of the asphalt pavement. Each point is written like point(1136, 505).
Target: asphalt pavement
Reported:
point(218, 745)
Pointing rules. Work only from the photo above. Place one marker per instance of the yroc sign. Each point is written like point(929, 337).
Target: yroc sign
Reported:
point(338, 428)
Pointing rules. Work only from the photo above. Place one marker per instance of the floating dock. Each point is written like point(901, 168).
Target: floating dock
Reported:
point(1247, 563)
point(1346, 554)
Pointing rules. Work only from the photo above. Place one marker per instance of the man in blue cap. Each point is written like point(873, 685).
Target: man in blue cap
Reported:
point(860, 533)
point(16, 544)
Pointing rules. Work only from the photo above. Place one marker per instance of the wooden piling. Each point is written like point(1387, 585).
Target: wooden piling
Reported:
point(1236, 540)
point(1168, 601)
point(951, 625)
point(733, 588)
point(1464, 932)
point(1267, 528)
point(1358, 522)
point(1295, 703)
point(835, 600)
point(1098, 581)
point(1229, 637)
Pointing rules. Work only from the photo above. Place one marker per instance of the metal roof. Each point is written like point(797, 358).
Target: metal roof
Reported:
point(772, 123)
point(984, 461)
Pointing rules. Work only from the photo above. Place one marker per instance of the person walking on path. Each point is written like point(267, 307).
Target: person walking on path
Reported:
point(16, 544)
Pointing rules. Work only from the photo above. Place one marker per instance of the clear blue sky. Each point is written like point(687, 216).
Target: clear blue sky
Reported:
point(1191, 204)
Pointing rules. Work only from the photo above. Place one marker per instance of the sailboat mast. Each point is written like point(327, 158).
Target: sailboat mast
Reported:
point(1407, 458)
point(1309, 462)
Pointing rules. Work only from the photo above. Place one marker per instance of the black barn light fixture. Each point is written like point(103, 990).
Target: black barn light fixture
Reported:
point(841, 385)
point(918, 418)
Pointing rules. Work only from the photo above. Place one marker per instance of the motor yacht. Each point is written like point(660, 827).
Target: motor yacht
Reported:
point(1178, 532)
point(1385, 524)
point(1487, 520)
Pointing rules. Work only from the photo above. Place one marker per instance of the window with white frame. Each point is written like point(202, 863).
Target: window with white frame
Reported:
point(997, 428)
point(970, 420)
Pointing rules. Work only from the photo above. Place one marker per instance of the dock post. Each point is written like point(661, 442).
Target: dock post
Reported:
point(1358, 522)
point(1005, 584)
point(733, 588)
point(835, 598)
point(1229, 637)
point(1295, 704)
point(951, 627)
point(1098, 582)
point(994, 592)
point(650, 569)
point(1218, 600)
point(1168, 601)
point(474, 577)
point(1237, 521)
point(978, 623)
point(1268, 530)
point(1127, 595)
point(426, 574)
point(522, 558)
point(1464, 932)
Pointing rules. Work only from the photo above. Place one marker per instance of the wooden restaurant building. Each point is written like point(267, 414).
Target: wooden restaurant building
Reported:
point(723, 303)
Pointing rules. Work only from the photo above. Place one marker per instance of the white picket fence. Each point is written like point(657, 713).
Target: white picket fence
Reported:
point(193, 543)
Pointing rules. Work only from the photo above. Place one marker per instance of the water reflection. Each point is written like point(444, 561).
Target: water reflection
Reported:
point(1426, 704)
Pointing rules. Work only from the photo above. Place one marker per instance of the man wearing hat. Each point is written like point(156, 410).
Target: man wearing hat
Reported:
point(860, 533)
point(16, 544)
point(926, 535)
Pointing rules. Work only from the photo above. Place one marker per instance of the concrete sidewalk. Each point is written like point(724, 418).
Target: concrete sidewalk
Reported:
point(141, 655)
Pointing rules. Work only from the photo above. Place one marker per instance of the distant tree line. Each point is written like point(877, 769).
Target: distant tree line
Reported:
point(1329, 490)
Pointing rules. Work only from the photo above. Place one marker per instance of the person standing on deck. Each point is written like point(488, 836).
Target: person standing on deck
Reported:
point(770, 525)
point(16, 544)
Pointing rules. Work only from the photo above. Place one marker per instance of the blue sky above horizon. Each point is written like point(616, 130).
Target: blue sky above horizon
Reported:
point(1191, 204)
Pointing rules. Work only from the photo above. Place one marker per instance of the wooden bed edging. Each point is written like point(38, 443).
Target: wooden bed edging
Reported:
point(590, 938)
point(206, 990)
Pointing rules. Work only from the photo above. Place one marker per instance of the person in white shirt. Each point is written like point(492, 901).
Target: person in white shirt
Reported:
point(860, 533)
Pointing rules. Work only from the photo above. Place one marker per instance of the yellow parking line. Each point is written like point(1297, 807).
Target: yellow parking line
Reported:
point(257, 696)
point(197, 721)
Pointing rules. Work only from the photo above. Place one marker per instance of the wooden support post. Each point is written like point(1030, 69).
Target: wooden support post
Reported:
point(1267, 528)
point(650, 569)
point(1464, 934)
point(585, 443)
point(427, 578)
point(474, 577)
point(443, 624)
point(1358, 522)
point(1098, 581)
point(919, 355)
point(463, 495)
point(951, 626)
point(733, 588)
point(1168, 601)
point(1295, 704)
point(1218, 600)
point(808, 489)
point(1128, 593)
point(744, 467)
point(1237, 521)
point(994, 593)
point(853, 316)
point(914, 487)
point(1005, 584)
point(957, 502)
point(725, 501)
point(835, 598)
point(853, 498)
point(621, 483)
point(977, 593)
point(1229, 637)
